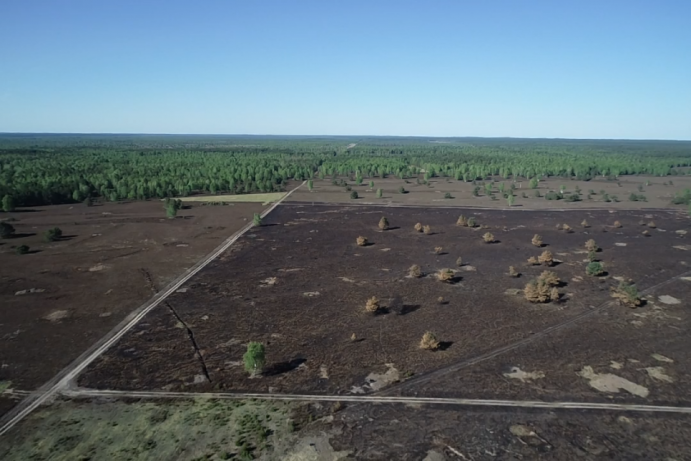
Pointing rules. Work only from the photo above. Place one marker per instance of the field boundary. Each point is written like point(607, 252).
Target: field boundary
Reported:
point(67, 374)
point(95, 393)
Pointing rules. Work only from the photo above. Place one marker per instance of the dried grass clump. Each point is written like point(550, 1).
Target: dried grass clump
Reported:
point(372, 305)
point(383, 223)
point(537, 241)
point(616, 224)
point(652, 224)
point(418, 227)
point(415, 271)
point(590, 245)
point(537, 291)
point(550, 278)
point(627, 294)
point(546, 258)
point(361, 241)
point(429, 341)
point(445, 275)
point(438, 250)
point(488, 238)
point(427, 230)
point(533, 261)
point(462, 221)
point(513, 272)
point(584, 223)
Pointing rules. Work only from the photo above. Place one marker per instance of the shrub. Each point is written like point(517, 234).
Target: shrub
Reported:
point(22, 249)
point(550, 278)
point(438, 250)
point(354, 195)
point(566, 228)
point(533, 183)
point(533, 261)
point(172, 206)
point(616, 224)
point(383, 223)
point(459, 261)
point(546, 258)
point(380, 193)
point(551, 195)
point(594, 269)
point(89, 201)
point(513, 272)
point(471, 222)
point(590, 245)
point(257, 220)
point(592, 256)
point(537, 241)
point(488, 238)
point(462, 221)
point(429, 341)
point(652, 225)
point(627, 294)
point(415, 271)
point(371, 184)
point(554, 294)
point(401, 190)
point(573, 198)
point(418, 227)
point(361, 241)
point(476, 191)
point(445, 275)
point(53, 235)
point(584, 223)
point(427, 230)
point(510, 199)
point(537, 291)
point(6, 230)
point(372, 305)
point(254, 358)
point(448, 195)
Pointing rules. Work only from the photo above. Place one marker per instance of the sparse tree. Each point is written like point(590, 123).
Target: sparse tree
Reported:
point(537, 241)
point(513, 272)
point(415, 271)
point(361, 241)
point(427, 230)
point(372, 305)
point(445, 275)
point(383, 223)
point(627, 294)
point(546, 258)
point(488, 238)
point(257, 220)
point(590, 245)
point(594, 269)
point(254, 358)
point(418, 227)
point(6, 230)
point(429, 341)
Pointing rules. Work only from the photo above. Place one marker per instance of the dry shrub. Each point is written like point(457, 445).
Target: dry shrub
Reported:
point(646, 233)
point(462, 221)
point(585, 223)
point(459, 261)
point(488, 238)
point(415, 271)
point(361, 241)
point(537, 291)
point(372, 305)
point(513, 272)
point(550, 278)
point(440, 300)
point(546, 258)
point(537, 241)
point(427, 230)
point(429, 341)
point(383, 223)
point(418, 227)
point(533, 260)
point(590, 245)
point(627, 294)
point(616, 224)
point(438, 250)
point(652, 224)
point(353, 337)
point(554, 294)
point(445, 275)
point(566, 228)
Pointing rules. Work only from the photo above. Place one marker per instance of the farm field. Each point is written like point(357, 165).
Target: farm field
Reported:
point(65, 295)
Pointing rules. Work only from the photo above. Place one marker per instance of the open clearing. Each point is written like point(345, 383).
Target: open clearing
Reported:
point(264, 199)
point(63, 297)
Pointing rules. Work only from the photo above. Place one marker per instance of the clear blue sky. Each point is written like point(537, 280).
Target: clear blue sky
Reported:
point(577, 69)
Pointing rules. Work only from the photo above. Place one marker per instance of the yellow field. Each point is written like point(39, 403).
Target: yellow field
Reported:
point(263, 198)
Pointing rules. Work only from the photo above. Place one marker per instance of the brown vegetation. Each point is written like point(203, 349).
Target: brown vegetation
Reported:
point(438, 250)
point(445, 275)
point(566, 228)
point(537, 291)
point(533, 261)
point(646, 233)
point(627, 294)
point(537, 241)
point(488, 238)
point(462, 221)
point(616, 224)
point(418, 227)
point(361, 241)
point(549, 277)
point(554, 294)
point(415, 271)
point(584, 223)
point(459, 261)
point(427, 230)
point(372, 305)
point(429, 341)
point(652, 224)
point(590, 245)
point(513, 272)
point(383, 223)
point(546, 258)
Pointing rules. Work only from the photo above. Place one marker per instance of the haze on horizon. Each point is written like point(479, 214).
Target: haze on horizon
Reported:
point(541, 69)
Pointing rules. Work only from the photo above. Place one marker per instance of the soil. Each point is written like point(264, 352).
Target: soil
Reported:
point(300, 283)
point(658, 194)
point(65, 295)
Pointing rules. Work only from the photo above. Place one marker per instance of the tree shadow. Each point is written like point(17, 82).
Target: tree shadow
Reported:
point(284, 367)
point(23, 234)
point(392, 228)
point(383, 310)
point(408, 308)
point(444, 345)
point(269, 225)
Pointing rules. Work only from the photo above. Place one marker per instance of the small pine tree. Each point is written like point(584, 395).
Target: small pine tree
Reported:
point(438, 250)
point(380, 193)
point(546, 258)
point(488, 238)
point(354, 195)
point(462, 221)
point(585, 223)
point(257, 220)
point(53, 235)
point(471, 222)
point(310, 185)
point(418, 227)
point(510, 199)
point(427, 230)
point(361, 241)
point(513, 272)
point(401, 190)
point(594, 269)
point(590, 245)
point(372, 305)
point(415, 271)
point(533, 183)
point(459, 261)
point(254, 358)
point(22, 249)
point(383, 223)
point(371, 184)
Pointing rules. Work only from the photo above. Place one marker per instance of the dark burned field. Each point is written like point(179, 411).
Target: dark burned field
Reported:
point(300, 283)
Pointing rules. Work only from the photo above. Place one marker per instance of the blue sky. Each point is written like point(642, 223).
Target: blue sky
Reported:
point(573, 69)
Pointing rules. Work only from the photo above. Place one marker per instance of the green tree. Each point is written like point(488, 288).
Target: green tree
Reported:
point(353, 195)
point(380, 193)
point(510, 199)
point(53, 235)
point(310, 184)
point(7, 203)
point(594, 268)
point(371, 184)
point(402, 190)
point(6, 230)
point(257, 220)
point(254, 358)
point(172, 206)
point(22, 249)
point(533, 183)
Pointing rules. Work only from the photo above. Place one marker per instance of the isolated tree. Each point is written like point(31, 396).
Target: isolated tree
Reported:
point(254, 358)
point(546, 258)
point(22, 249)
point(172, 206)
point(429, 341)
point(380, 193)
point(257, 220)
point(6, 230)
point(53, 235)
point(418, 227)
point(401, 190)
point(7, 203)
point(310, 184)
point(594, 269)
point(371, 184)
point(488, 238)
point(383, 223)
point(590, 245)
point(415, 271)
point(592, 256)
point(627, 294)
point(354, 195)
point(361, 241)
point(537, 241)
point(372, 305)
point(510, 199)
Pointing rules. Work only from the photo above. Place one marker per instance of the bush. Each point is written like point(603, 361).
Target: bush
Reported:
point(551, 195)
point(257, 220)
point(590, 245)
point(627, 294)
point(550, 278)
point(354, 195)
point(418, 227)
point(448, 195)
point(429, 341)
point(372, 305)
point(438, 250)
point(361, 241)
point(537, 291)
point(22, 249)
point(383, 223)
point(616, 224)
point(254, 358)
point(592, 256)
point(533, 183)
point(533, 261)
point(488, 238)
point(371, 184)
point(53, 235)
point(537, 241)
point(546, 258)
point(380, 193)
point(594, 269)
point(427, 230)
point(584, 223)
point(638, 198)
point(402, 190)
point(6, 230)
point(471, 222)
point(172, 206)
point(445, 275)
point(415, 271)
point(462, 221)
point(652, 224)
point(566, 228)
point(476, 191)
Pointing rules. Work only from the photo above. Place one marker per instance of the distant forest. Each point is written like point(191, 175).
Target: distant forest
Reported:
point(41, 169)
